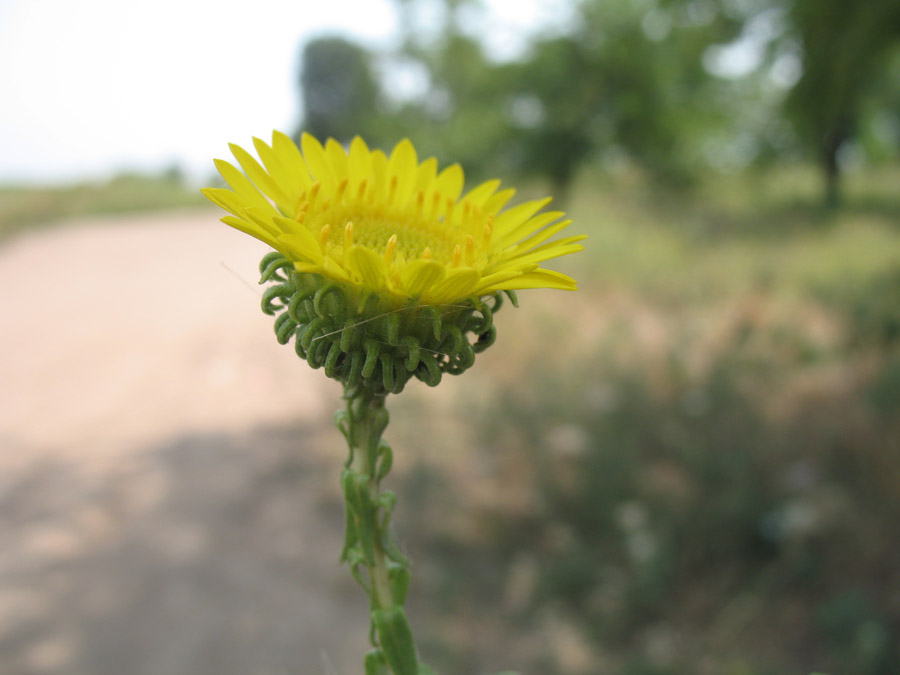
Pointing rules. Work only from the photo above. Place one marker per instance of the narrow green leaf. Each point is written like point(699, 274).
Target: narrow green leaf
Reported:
point(385, 460)
point(375, 664)
point(359, 502)
point(341, 422)
point(399, 577)
point(351, 538)
point(396, 640)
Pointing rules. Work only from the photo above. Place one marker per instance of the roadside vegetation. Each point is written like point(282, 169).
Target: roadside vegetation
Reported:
point(692, 465)
point(24, 207)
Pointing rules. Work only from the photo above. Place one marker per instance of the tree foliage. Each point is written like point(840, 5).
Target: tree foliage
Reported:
point(341, 96)
point(843, 46)
point(629, 79)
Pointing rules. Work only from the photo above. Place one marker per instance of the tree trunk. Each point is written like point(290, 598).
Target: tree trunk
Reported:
point(831, 144)
point(832, 179)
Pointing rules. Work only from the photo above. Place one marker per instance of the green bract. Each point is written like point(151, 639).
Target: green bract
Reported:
point(366, 345)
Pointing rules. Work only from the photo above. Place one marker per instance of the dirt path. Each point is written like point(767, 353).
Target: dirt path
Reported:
point(156, 513)
point(115, 334)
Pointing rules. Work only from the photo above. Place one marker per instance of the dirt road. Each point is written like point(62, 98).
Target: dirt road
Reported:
point(119, 334)
point(161, 463)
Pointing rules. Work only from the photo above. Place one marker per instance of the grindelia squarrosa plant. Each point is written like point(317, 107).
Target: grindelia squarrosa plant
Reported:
point(383, 271)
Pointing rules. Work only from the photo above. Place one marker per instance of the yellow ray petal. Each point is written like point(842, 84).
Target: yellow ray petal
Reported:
point(242, 187)
point(309, 268)
point(480, 194)
point(318, 163)
point(302, 238)
point(458, 284)
point(420, 275)
point(526, 228)
point(285, 179)
point(498, 201)
point(292, 160)
point(489, 280)
point(425, 176)
point(259, 176)
point(333, 269)
point(379, 175)
point(367, 266)
point(540, 278)
point(450, 181)
point(402, 165)
point(540, 237)
point(264, 220)
point(227, 199)
point(300, 248)
point(512, 218)
point(359, 164)
point(337, 158)
point(554, 249)
point(252, 229)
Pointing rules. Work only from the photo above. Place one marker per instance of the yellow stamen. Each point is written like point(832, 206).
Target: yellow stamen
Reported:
point(488, 229)
point(426, 254)
point(348, 235)
point(361, 190)
point(313, 193)
point(450, 204)
point(324, 235)
point(300, 203)
point(392, 190)
point(470, 248)
point(390, 249)
point(457, 256)
point(435, 201)
point(341, 188)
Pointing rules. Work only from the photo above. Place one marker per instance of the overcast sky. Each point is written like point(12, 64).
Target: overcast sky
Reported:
point(94, 86)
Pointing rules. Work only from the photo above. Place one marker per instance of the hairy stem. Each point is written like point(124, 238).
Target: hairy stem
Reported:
point(375, 560)
point(366, 437)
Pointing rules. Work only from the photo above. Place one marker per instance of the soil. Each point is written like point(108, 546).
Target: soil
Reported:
point(167, 470)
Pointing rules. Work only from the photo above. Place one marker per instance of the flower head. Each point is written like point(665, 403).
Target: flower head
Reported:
point(382, 272)
point(390, 225)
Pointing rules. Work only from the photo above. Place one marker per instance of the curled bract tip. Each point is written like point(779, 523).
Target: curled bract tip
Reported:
point(367, 344)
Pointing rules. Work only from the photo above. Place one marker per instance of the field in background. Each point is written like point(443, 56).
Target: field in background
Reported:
point(26, 207)
point(692, 465)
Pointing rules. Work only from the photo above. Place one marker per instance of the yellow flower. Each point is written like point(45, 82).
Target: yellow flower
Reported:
point(390, 225)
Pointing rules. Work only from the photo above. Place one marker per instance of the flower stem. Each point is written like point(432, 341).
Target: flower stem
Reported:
point(374, 559)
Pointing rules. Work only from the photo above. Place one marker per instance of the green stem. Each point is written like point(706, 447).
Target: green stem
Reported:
point(368, 545)
point(366, 436)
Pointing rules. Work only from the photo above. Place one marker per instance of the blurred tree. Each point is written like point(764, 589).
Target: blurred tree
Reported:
point(340, 93)
point(629, 80)
point(879, 131)
point(460, 117)
point(611, 84)
point(553, 106)
point(464, 108)
point(843, 47)
point(632, 79)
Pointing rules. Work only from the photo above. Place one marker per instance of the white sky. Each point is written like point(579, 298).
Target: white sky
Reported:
point(93, 86)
